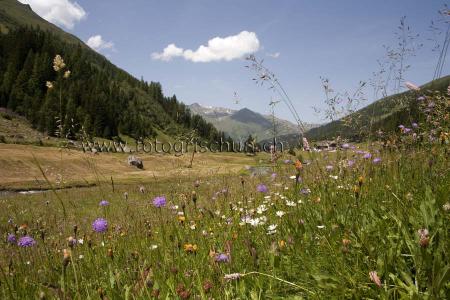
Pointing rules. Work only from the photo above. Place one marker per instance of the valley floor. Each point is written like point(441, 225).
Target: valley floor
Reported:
point(22, 167)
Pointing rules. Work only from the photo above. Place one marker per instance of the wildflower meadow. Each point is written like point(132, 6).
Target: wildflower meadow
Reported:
point(361, 222)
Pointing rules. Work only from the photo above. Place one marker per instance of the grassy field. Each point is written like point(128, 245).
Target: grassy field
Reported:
point(351, 227)
point(19, 165)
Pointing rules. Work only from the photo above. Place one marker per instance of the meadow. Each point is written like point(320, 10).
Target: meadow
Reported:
point(362, 222)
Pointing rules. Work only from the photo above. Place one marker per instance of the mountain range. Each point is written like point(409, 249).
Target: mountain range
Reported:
point(239, 124)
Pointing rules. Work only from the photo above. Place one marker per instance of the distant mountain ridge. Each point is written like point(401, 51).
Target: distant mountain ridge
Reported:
point(239, 124)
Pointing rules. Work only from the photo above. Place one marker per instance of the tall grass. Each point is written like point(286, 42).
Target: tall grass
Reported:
point(340, 222)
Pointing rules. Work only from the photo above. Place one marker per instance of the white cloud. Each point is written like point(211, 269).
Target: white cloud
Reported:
point(60, 12)
point(217, 49)
point(274, 55)
point(168, 53)
point(97, 43)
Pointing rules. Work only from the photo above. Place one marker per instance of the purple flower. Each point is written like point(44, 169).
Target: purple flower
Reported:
point(104, 203)
point(406, 130)
point(100, 225)
point(11, 238)
point(222, 257)
point(376, 160)
point(305, 191)
point(350, 163)
point(421, 98)
point(262, 188)
point(288, 161)
point(273, 176)
point(367, 155)
point(159, 201)
point(329, 168)
point(26, 241)
point(345, 146)
point(401, 126)
point(414, 125)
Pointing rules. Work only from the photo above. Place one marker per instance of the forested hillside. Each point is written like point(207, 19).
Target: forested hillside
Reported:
point(95, 97)
point(385, 114)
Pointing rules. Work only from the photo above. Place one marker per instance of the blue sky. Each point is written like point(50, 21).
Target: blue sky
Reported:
point(340, 40)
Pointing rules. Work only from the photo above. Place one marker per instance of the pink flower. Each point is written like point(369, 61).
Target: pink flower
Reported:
point(374, 277)
point(412, 86)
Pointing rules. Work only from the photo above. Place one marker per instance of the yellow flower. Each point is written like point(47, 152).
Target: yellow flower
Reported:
point(49, 84)
point(190, 248)
point(181, 219)
point(67, 74)
point(361, 180)
point(58, 63)
point(281, 244)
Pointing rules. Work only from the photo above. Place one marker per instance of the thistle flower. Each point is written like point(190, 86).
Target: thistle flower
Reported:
point(412, 86)
point(26, 241)
point(58, 63)
point(100, 225)
point(374, 278)
point(49, 84)
point(11, 238)
point(66, 74)
point(262, 188)
point(159, 201)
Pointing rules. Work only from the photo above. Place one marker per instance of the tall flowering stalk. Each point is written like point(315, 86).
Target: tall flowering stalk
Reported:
point(60, 68)
point(264, 75)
